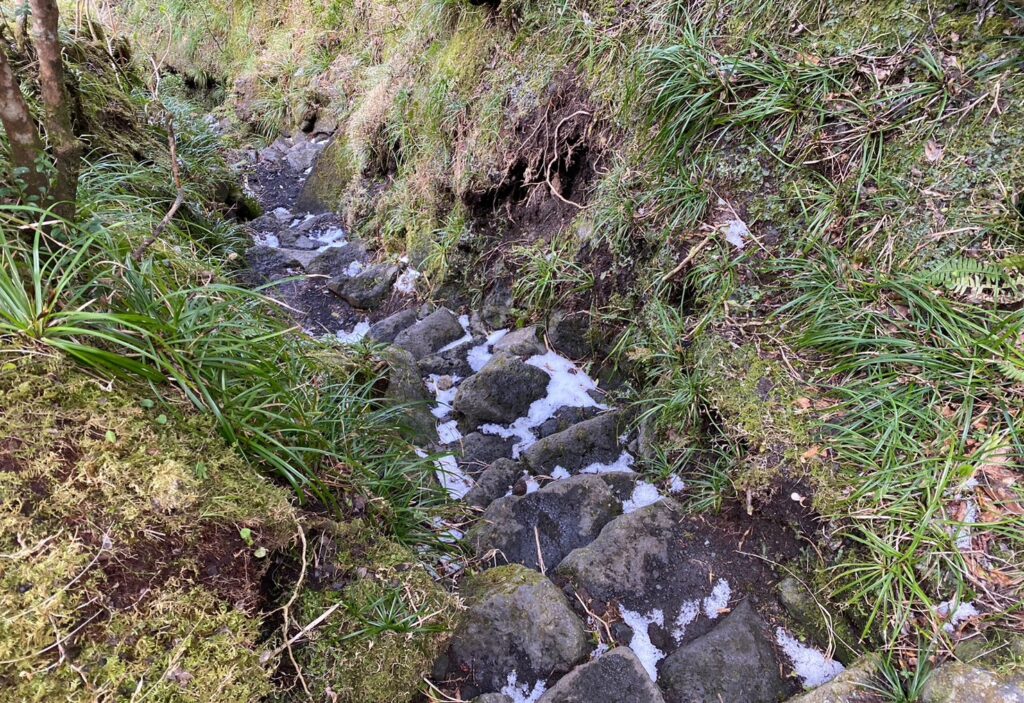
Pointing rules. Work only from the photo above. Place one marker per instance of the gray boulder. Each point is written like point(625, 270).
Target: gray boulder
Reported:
point(501, 392)
point(435, 331)
point(560, 517)
point(405, 388)
point(524, 342)
point(615, 677)
point(333, 261)
point(387, 329)
point(448, 363)
point(497, 305)
point(568, 333)
point(270, 263)
point(955, 682)
point(480, 450)
point(592, 441)
point(496, 480)
point(367, 289)
point(734, 662)
point(515, 620)
point(849, 687)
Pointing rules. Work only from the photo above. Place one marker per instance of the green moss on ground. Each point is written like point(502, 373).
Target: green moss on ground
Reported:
point(387, 620)
point(125, 572)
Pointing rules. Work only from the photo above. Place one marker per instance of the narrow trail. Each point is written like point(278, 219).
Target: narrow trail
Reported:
point(591, 583)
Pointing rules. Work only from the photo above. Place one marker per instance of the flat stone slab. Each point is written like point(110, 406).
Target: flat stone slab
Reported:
point(546, 524)
point(614, 677)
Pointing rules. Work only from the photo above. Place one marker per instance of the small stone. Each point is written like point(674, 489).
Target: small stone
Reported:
point(849, 687)
point(451, 362)
point(333, 261)
point(524, 342)
point(405, 388)
point(568, 334)
point(496, 480)
point(480, 450)
point(955, 682)
point(433, 332)
point(367, 289)
point(592, 441)
point(387, 329)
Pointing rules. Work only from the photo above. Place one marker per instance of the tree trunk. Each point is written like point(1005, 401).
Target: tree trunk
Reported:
point(65, 147)
point(22, 134)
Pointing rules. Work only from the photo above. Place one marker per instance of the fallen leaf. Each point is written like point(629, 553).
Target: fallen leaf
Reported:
point(811, 453)
point(933, 152)
point(804, 403)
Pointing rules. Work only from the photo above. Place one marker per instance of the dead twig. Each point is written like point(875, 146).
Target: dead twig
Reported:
point(179, 199)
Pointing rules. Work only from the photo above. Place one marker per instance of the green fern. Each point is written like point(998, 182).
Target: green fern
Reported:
point(980, 281)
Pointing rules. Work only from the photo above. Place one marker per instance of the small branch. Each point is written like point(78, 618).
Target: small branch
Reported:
point(179, 200)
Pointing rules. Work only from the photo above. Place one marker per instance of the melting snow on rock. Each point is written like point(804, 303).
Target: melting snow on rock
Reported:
point(641, 644)
point(522, 692)
point(718, 600)
point(355, 334)
point(644, 494)
point(478, 356)
point(812, 666)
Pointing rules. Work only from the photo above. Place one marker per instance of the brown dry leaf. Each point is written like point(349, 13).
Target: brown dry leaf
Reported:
point(811, 453)
point(933, 152)
point(998, 482)
point(804, 403)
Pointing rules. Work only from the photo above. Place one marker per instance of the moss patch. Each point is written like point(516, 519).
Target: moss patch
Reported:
point(125, 570)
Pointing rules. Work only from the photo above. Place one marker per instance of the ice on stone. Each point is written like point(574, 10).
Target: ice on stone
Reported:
point(559, 473)
point(644, 494)
point(444, 392)
point(718, 600)
point(624, 464)
point(451, 477)
point(641, 644)
point(354, 335)
point(479, 355)
point(811, 665)
point(676, 485)
point(467, 337)
point(406, 283)
point(522, 692)
point(448, 432)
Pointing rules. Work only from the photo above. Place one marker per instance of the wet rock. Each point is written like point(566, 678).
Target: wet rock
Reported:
point(516, 620)
point(291, 239)
point(654, 558)
point(387, 329)
point(849, 687)
point(448, 363)
point(497, 306)
point(615, 677)
point(333, 261)
point(266, 223)
point(804, 609)
point(302, 155)
point(621, 483)
point(564, 418)
point(568, 333)
point(524, 342)
point(480, 450)
point(560, 517)
point(270, 263)
point(367, 289)
point(734, 662)
point(436, 330)
point(592, 441)
point(495, 481)
point(501, 392)
point(955, 682)
point(405, 387)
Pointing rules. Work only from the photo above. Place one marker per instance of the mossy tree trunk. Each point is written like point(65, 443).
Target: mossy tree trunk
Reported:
point(67, 150)
point(25, 145)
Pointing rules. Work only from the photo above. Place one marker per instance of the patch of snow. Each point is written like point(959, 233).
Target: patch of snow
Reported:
point(448, 432)
point(267, 239)
point(600, 649)
point(354, 335)
point(641, 644)
point(736, 233)
point(332, 236)
point(688, 612)
point(718, 600)
point(443, 388)
point(479, 355)
point(954, 617)
point(302, 220)
point(812, 666)
point(532, 485)
point(624, 464)
point(354, 268)
point(559, 473)
point(676, 485)
point(567, 387)
point(406, 283)
point(282, 214)
point(451, 477)
point(522, 692)
point(644, 494)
